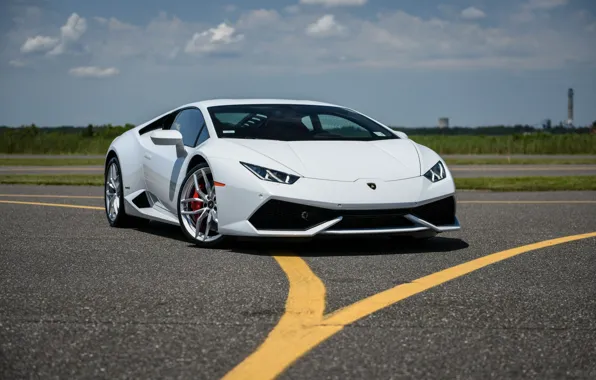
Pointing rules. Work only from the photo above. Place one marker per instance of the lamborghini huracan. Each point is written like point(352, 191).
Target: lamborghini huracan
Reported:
point(276, 168)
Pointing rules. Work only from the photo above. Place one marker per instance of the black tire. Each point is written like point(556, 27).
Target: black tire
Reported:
point(201, 244)
point(122, 219)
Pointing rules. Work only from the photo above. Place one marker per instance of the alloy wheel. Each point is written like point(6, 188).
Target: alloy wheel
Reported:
point(112, 188)
point(198, 206)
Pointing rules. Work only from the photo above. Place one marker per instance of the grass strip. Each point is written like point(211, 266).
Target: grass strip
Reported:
point(520, 161)
point(50, 161)
point(484, 183)
point(527, 183)
point(55, 141)
point(535, 143)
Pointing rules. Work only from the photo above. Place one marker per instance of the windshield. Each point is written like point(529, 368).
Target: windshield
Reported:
point(292, 122)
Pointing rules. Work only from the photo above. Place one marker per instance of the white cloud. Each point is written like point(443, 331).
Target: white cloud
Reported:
point(17, 63)
point(334, 3)
point(74, 28)
point(402, 40)
point(325, 26)
point(39, 44)
point(114, 24)
point(257, 18)
point(545, 4)
point(160, 40)
point(94, 72)
point(532, 8)
point(230, 8)
point(70, 33)
point(276, 42)
point(292, 9)
point(472, 13)
point(271, 41)
point(213, 38)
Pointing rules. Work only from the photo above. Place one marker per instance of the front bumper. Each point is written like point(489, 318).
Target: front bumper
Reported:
point(286, 219)
point(248, 206)
point(323, 229)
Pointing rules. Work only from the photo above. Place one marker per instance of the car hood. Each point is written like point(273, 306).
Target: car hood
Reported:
point(342, 160)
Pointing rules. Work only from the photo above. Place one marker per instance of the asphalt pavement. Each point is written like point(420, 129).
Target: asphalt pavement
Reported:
point(458, 171)
point(79, 299)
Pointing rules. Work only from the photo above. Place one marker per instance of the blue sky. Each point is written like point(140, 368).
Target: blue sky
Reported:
point(404, 62)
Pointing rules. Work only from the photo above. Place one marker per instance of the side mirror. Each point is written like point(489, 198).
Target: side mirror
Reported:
point(401, 135)
point(166, 137)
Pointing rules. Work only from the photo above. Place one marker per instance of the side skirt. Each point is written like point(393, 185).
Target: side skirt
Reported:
point(141, 204)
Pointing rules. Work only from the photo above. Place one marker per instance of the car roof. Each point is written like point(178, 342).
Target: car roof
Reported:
point(227, 102)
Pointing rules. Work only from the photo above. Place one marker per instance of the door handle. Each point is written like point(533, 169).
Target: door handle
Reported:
point(147, 156)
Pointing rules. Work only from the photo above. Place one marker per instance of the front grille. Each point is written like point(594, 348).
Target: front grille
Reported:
point(371, 219)
point(281, 215)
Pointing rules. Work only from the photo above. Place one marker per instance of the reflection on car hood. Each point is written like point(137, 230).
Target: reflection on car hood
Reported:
point(342, 160)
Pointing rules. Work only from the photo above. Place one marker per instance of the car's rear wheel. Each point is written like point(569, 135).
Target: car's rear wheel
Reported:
point(197, 207)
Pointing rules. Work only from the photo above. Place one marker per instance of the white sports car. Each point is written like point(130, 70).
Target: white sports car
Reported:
point(276, 168)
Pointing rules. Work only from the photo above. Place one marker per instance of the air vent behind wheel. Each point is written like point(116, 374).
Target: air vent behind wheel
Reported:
point(141, 200)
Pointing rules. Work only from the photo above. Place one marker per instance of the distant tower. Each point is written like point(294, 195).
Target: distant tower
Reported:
point(443, 122)
point(570, 107)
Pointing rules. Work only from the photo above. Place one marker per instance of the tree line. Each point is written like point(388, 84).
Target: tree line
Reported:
point(111, 131)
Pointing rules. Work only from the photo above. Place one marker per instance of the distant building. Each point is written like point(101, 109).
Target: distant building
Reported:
point(570, 107)
point(443, 122)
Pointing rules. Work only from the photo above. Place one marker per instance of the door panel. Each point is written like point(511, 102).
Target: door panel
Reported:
point(162, 172)
point(163, 164)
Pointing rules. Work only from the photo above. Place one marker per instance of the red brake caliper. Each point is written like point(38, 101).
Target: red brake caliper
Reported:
point(197, 205)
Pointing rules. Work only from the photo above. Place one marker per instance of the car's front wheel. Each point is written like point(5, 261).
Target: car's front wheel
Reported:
point(113, 194)
point(197, 207)
point(114, 198)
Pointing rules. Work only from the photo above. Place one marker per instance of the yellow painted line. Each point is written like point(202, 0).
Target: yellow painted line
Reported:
point(298, 330)
point(49, 169)
point(381, 300)
point(52, 205)
point(50, 196)
point(304, 326)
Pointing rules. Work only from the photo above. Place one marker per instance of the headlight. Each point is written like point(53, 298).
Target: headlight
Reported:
point(436, 173)
point(270, 174)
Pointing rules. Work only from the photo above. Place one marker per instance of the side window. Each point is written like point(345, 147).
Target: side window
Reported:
point(306, 120)
point(157, 124)
point(203, 136)
point(343, 127)
point(189, 122)
point(162, 123)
